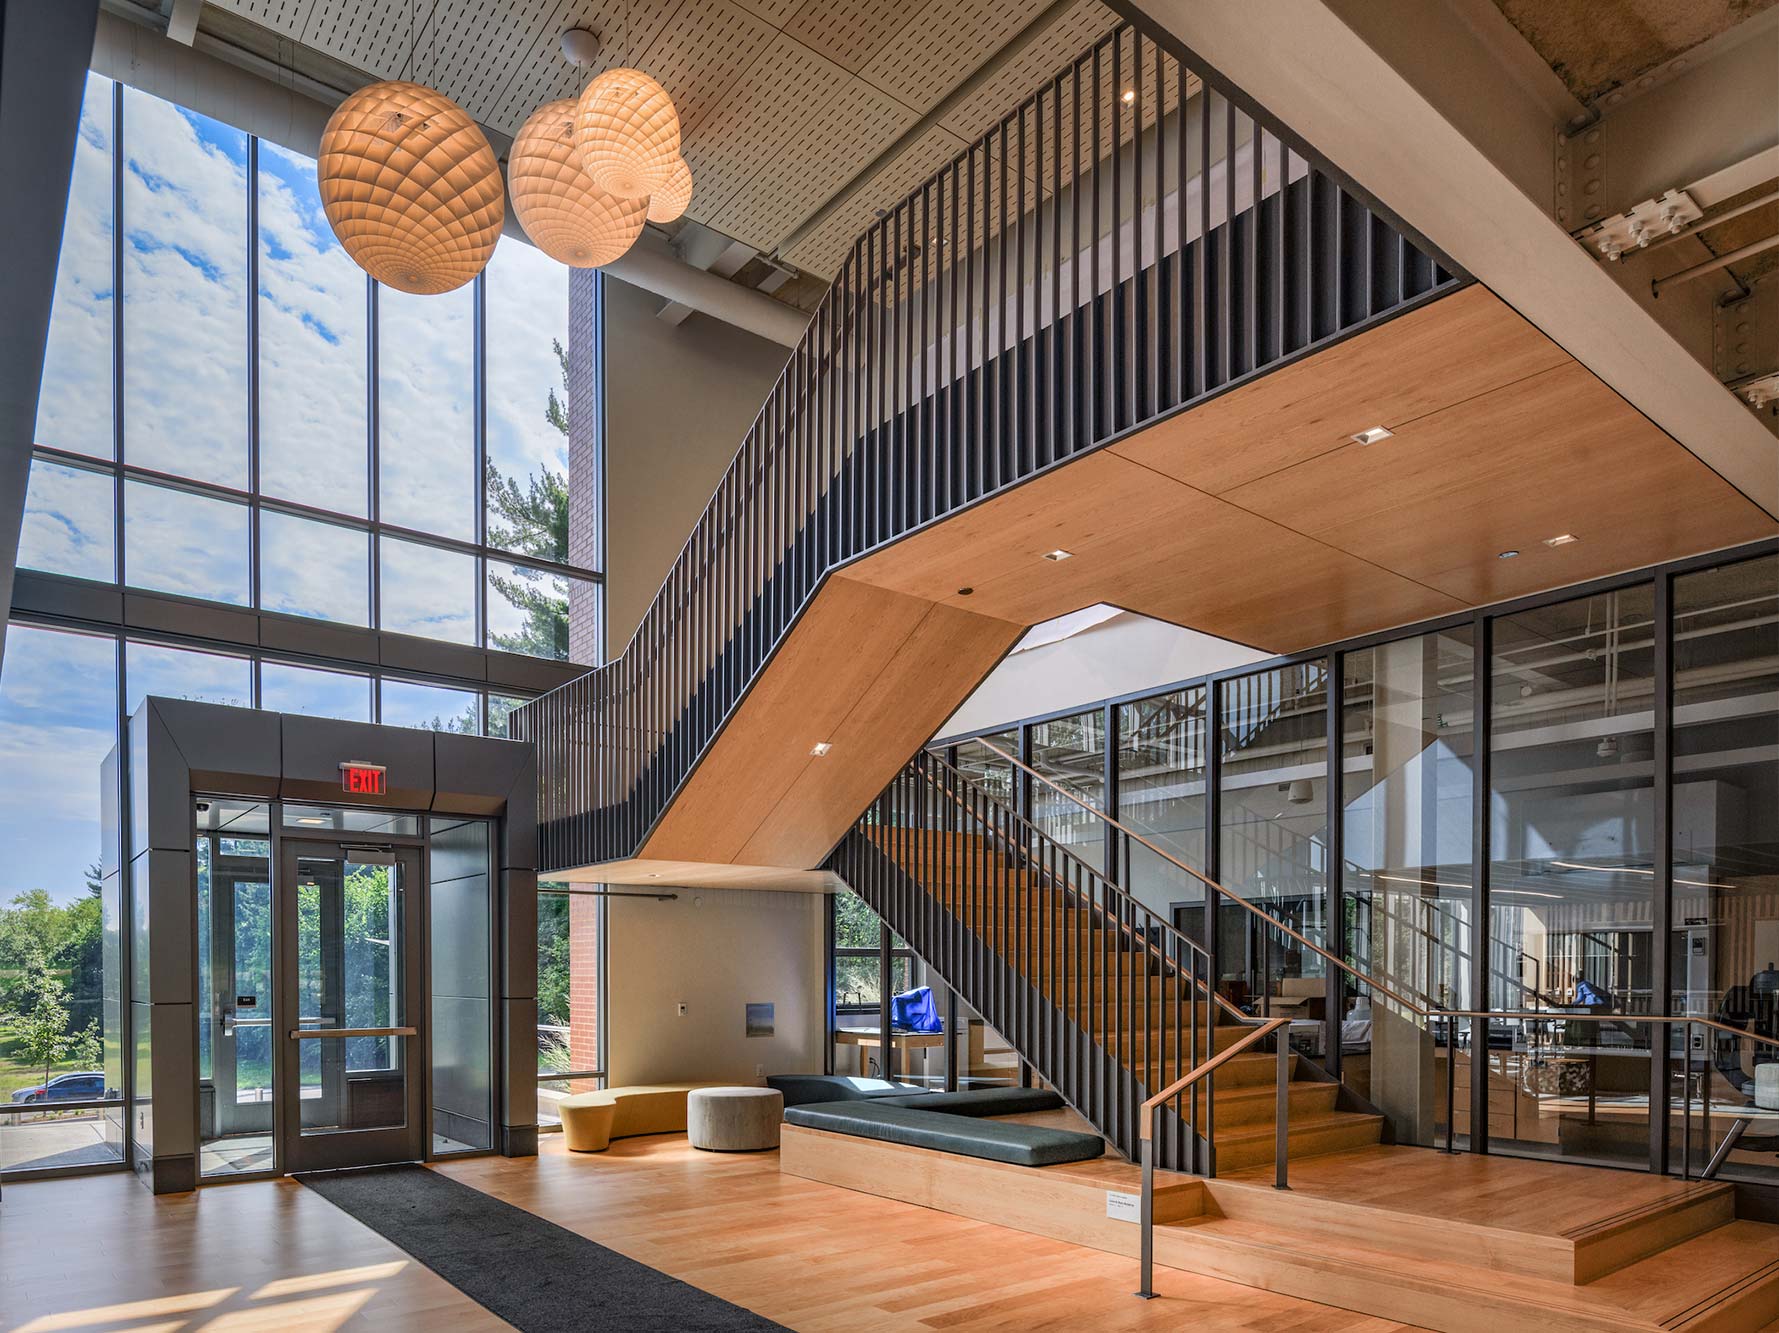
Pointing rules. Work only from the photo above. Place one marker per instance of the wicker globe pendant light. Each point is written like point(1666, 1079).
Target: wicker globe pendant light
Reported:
point(568, 217)
point(411, 187)
point(668, 202)
point(627, 129)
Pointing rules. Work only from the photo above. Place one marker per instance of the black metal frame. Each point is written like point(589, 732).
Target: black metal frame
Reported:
point(369, 524)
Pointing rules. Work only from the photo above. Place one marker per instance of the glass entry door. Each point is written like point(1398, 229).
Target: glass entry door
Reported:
point(351, 1068)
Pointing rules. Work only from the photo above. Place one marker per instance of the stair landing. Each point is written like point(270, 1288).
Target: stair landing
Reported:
point(1485, 1243)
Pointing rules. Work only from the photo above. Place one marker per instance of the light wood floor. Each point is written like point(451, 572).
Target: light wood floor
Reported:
point(100, 1253)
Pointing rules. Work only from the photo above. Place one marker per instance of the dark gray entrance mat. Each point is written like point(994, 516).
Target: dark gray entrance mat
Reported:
point(537, 1276)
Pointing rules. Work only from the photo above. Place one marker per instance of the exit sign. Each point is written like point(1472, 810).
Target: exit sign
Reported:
point(362, 779)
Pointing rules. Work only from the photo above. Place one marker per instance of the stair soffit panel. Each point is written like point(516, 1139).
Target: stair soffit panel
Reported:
point(1253, 517)
point(869, 670)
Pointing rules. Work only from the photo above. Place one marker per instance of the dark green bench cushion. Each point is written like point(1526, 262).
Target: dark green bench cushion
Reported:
point(800, 1089)
point(993, 1140)
point(983, 1101)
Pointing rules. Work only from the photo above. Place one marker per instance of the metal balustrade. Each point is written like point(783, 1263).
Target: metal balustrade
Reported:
point(1133, 237)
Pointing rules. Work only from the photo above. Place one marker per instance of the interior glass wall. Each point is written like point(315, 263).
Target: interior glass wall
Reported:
point(1071, 752)
point(1724, 948)
point(1571, 886)
point(1272, 843)
point(1161, 795)
point(1408, 755)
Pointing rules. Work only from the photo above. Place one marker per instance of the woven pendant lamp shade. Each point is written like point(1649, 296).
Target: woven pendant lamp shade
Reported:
point(411, 187)
point(568, 217)
point(628, 133)
point(668, 202)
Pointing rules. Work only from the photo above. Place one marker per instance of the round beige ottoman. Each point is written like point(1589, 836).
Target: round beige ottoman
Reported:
point(734, 1119)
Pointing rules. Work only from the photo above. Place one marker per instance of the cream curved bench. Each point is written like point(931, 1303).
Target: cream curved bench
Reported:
point(591, 1120)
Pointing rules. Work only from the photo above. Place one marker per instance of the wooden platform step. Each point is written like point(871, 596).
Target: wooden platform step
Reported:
point(1473, 1244)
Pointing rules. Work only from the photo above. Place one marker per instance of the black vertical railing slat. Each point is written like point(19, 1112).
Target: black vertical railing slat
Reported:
point(935, 372)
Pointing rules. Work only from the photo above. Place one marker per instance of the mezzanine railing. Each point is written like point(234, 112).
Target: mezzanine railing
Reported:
point(1133, 237)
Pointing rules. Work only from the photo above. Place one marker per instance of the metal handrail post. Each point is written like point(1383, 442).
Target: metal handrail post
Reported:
point(1146, 1214)
point(1282, 1142)
point(1686, 1102)
point(1451, 1081)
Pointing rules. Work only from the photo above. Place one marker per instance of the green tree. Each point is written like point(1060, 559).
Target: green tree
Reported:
point(531, 517)
point(41, 1033)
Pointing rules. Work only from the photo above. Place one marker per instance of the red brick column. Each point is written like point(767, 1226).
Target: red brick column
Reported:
point(583, 982)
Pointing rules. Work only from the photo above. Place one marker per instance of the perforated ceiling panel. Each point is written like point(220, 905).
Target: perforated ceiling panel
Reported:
point(796, 127)
point(782, 102)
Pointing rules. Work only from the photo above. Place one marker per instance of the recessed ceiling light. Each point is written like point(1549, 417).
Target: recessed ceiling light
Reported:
point(1130, 95)
point(1057, 555)
point(311, 820)
point(1373, 435)
point(1561, 539)
point(820, 748)
point(1506, 555)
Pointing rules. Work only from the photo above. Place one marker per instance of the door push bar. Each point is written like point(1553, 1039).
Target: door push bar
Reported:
point(303, 1034)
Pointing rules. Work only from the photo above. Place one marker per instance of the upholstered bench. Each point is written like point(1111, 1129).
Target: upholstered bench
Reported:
point(591, 1120)
point(733, 1119)
point(801, 1089)
point(962, 1130)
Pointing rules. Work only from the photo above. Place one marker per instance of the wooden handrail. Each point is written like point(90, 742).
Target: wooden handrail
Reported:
point(1223, 1056)
point(1341, 963)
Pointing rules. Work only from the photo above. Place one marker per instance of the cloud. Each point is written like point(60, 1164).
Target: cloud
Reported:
point(68, 522)
point(428, 591)
point(425, 411)
point(527, 307)
point(74, 405)
point(178, 542)
point(177, 673)
point(314, 569)
point(294, 689)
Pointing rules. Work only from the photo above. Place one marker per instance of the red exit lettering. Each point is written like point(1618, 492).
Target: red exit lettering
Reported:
point(362, 779)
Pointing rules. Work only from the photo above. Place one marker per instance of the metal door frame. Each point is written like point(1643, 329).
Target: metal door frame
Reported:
point(366, 1147)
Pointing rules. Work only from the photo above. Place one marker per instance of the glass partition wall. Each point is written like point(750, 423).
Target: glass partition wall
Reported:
point(1563, 811)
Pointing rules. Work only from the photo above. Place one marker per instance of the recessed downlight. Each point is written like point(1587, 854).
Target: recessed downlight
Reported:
point(1561, 539)
point(1506, 555)
point(1130, 95)
point(820, 748)
point(1058, 555)
point(311, 821)
point(1373, 435)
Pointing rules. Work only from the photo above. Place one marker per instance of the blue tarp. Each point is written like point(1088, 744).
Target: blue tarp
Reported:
point(915, 1011)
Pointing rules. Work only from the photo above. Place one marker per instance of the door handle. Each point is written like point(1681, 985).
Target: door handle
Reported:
point(305, 1034)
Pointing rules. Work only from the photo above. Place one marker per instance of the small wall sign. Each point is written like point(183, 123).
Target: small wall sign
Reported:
point(360, 778)
point(759, 1020)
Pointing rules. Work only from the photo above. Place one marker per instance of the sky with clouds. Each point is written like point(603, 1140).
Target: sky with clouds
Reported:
point(185, 304)
point(185, 286)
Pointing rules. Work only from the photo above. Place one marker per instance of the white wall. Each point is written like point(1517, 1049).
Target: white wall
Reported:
point(679, 398)
point(1091, 655)
point(717, 950)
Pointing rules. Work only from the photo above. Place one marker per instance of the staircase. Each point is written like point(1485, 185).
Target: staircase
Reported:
point(1106, 1001)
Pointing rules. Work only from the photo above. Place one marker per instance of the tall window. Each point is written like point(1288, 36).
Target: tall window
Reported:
point(568, 988)
point(256, 490)
point(1161, 794)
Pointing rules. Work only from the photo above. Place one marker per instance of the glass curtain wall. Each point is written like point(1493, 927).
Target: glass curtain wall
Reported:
point(1594, 884)
point(1573, 840)
point(1407, 809)
point(1071, 752)
point(1724, 941)
point(1272, 843)
point(255, 490)
point(1161, 794)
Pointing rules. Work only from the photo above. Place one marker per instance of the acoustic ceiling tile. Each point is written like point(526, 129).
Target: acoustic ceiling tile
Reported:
point(701, 54)
point(851, 32)
point(942, 45)
point(826, 248)
point(542, 75)
point(286, 17)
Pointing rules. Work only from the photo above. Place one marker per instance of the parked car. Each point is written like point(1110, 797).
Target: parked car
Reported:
point(65, 1088)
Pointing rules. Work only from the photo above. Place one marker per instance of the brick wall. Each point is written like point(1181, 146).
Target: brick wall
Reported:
point(583, 982)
